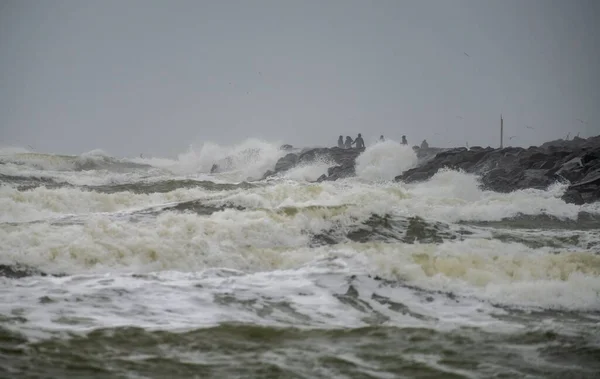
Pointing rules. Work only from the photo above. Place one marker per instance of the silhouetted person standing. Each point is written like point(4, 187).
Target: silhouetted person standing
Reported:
point(360, 143)
point(341, 142)
point(381, 139)
point(404, 141)
point(424, 144)
point(348, 142)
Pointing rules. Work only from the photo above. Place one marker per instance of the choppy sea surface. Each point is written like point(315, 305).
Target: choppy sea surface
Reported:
point(154, 268)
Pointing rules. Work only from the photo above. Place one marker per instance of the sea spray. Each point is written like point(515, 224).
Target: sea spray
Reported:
point(384, 161)
point(309, 172)
point(248, 160)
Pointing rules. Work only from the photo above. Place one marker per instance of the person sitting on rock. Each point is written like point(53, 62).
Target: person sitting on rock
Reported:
point(360, 143)
point(424, 144)
point(349, 142)
point(341, 142)
point(404, 141)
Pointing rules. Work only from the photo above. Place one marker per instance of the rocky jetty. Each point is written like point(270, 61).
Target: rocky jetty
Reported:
point(576, 162)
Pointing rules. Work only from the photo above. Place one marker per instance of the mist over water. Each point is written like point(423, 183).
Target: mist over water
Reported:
point(156, 249)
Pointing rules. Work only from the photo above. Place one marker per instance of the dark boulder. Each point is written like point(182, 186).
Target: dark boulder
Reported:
point(286, 162)
point(19, 271)
point(572, 170)
point(592, 178)
point(345, 170)
point(573, 197)
point(534, 179)
point(268, 174)
point(419, 176)
point(590, 156)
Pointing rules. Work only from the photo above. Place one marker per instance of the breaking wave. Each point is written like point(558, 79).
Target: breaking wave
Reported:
point(248, 160)
point(385, 161)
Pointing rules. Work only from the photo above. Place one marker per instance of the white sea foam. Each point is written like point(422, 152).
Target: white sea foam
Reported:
point(40, 203)
point(449, 196)
point(247, 160)
point(384, 161)
point(261, 240)
point(308, 172)
point(41, 161)
point(479, 273)
point(453, 196)
point(506, 273)
point(262, 253)
point(172, 300)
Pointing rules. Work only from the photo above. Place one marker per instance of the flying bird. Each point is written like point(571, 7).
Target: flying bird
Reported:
point(511, 137)
point(459, 117)
point(467, 55)
point(580, 120)
point(529, 127)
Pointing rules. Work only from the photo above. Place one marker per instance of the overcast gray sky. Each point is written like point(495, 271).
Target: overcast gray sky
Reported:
point(132, 76)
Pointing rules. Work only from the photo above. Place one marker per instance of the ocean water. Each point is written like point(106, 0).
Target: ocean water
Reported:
point(155, 268)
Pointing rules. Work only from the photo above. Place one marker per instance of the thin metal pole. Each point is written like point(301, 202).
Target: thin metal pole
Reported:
point(501, 132)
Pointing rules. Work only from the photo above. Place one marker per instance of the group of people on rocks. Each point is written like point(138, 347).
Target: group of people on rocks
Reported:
point(360, 143)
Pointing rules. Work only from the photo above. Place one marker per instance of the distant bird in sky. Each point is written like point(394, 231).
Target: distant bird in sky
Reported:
point(580, 120)
point(511, 137)
point(467, 55)
point(459, 117)
point(529, 127)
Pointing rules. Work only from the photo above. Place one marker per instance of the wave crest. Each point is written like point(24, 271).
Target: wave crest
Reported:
point(247, 160)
